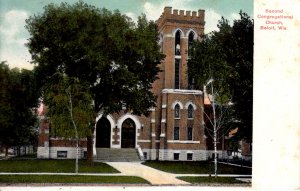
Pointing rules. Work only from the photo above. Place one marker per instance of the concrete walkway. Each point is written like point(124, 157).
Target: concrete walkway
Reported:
point(155, 177)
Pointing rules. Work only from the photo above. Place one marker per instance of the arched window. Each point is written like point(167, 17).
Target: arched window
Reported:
point(190, 42)
point(190, 111)
point(191, 39)
point(177, 111)
point(177, 42)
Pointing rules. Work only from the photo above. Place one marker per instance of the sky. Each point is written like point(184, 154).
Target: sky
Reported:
point(13, 14)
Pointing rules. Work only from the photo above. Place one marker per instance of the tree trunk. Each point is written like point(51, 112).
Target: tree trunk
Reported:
point(89, 144)
point(6, 151)
point(77, 153)
point(89, 150)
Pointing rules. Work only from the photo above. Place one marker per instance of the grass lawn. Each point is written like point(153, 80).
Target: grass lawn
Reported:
point(71, 179)
point(55, 166)
point(191, 167)
point(205, 180)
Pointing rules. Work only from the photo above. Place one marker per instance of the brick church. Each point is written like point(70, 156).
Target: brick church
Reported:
point(175, 129)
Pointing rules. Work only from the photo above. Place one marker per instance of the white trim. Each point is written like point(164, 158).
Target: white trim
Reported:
point(151, 109)
point(190, 103)
point(144, 141)
point(183, 142)
point(137, 126)
point(163, 135)
point(195, 34)
point(175, 103)
point(71, 152)
point(181, 91)
point(163, 120)
point(153, 135)
point(112, 126)
point(168, 154)
point(164, 106)
point(182, 34)
point(178, 57)
point(152, 120)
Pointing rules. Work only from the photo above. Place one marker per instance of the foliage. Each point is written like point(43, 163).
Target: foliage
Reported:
point(17, 100)
point(116, 57)
point(59, 95)
point(227, 57)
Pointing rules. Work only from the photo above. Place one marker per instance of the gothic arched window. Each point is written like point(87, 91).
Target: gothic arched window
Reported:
point(177, 111)
point(177, 42)
point(190, 42)
point(190, 111)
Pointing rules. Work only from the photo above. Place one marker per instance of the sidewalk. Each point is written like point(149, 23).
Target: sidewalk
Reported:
point(155, 177)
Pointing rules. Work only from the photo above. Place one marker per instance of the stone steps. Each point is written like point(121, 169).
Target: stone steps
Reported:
point(117, 155)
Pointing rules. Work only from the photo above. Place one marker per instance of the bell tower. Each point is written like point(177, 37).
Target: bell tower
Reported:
point(178, 29)
point(179, 123)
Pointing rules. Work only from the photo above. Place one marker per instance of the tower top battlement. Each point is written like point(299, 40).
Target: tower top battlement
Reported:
point(181, 15)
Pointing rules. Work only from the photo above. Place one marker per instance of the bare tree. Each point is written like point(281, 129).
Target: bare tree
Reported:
point(219, 120)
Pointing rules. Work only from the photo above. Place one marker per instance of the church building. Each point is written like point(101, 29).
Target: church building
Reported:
point(175, 129)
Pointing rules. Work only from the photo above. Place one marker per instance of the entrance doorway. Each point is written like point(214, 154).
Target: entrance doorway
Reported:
point(128, 134)
point(103, 133)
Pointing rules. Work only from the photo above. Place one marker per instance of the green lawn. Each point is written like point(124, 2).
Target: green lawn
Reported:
point(71, 179)
point(209, 180)
point(55, 166)
point(191, 167)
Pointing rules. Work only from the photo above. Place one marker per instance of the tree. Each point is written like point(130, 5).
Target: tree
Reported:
point(69, 105)
point(227, 57)
point(18, 99)
point(217, 117)
point(117, 58)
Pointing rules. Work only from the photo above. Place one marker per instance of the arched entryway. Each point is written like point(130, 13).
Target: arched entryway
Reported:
point(103, 133)
point(128, 134)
